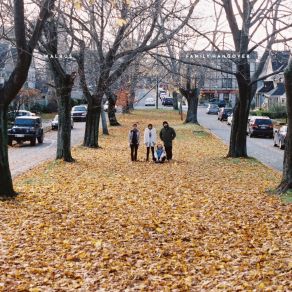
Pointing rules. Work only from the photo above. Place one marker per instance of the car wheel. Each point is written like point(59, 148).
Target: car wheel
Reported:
point(33, 141)
point(281, 146)
point(41, 139)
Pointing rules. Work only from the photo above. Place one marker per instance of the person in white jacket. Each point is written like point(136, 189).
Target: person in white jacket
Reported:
point(150, 140)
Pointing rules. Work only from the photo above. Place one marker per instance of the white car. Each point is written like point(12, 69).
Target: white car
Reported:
point(229, 119)
point(55, 123)
point(149, 101)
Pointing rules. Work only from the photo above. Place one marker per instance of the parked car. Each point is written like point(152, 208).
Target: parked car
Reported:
point(149, 101)
point(167, 101)
point(229, 119)
point(260, 126)
point(212, 109)
point(79, 112)
point(224, 113)
point(162, 95)
point(26, 128)
point(55, 123)
point(220, 103)
point(280, 137)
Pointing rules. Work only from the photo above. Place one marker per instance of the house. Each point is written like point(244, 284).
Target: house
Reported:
point(276, 96)
point(271, 92)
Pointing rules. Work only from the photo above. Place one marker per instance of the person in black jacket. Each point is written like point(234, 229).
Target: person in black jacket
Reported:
point(167, 135)
point(134, 140)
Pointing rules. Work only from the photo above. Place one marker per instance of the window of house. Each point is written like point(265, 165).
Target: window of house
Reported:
point(226, 82)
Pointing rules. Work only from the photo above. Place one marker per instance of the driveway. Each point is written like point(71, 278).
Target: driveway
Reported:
point(24, 157)
point(259, 148)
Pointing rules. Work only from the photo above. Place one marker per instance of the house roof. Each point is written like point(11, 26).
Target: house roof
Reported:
point(278, 91)
point(268, 86)
point(279, 59)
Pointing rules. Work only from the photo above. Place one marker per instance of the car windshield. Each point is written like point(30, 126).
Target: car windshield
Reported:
point(228, 110)
point(25, 122)
point(212, 105)
point(79, 108)
point(263, 121)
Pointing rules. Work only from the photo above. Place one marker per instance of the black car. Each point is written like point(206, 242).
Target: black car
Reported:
point(79, 113)
point(280, 137)
point(220, 103)
point(26, 128)
point(167, 101)
point(224, 113)
point(260, 126)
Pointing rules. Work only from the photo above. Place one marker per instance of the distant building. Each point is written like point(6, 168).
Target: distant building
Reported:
point(218, 84)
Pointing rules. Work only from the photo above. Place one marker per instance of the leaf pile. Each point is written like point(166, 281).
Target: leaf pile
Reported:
point(104, 223)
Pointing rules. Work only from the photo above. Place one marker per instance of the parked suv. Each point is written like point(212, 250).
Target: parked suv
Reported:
point(224, 113)
point(26, 128)
point(260, 126)
point(79, 112)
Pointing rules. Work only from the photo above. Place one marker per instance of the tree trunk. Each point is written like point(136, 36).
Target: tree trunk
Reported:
point(92, 124)
point(192, 96)
point(192, 113)
point(64, 124)
point(175, 100)
point(286, 182)
point(6, 186)
point(104, 123)
point(112, 99)
point(237, 145)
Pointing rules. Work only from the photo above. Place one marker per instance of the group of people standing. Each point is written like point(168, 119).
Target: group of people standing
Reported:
point(160, 154)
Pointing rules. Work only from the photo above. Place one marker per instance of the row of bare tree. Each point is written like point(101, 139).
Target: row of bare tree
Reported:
point(106, 37)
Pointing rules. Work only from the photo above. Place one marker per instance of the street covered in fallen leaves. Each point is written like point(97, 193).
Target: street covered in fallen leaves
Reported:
point(104, 223)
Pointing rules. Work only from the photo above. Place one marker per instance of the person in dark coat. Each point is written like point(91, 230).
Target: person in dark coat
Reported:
point(134, 140)
point(167, 135)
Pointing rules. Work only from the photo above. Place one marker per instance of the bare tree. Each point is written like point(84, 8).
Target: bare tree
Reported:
point(110, 25)
point(286, 182)
point(8, 92)
point(63, 83)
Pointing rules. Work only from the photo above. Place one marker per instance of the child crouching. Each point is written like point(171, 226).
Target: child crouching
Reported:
point(159, 154)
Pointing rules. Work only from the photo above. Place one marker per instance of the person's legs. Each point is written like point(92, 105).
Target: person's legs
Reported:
point(162, 159)
point(147, 154)
point(132, 152)
point(152, 150)
point(136, 152)
point(168, 152)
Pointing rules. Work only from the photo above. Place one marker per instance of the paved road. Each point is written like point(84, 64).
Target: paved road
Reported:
point(260, 148)
point(24, 157)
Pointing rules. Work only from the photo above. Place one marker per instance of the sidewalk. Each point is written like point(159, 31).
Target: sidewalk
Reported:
point(201, 222)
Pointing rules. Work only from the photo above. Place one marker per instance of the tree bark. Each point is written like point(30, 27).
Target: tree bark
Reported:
point(6, 186)
point(286, 182)
point(112, 99)
point(104, 123)
point(64, 120)
point(92, 123)
point(175, 100)
point(237, 145)
point(192, 97)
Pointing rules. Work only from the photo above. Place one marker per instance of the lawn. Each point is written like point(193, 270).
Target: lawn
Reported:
point(200, 223)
